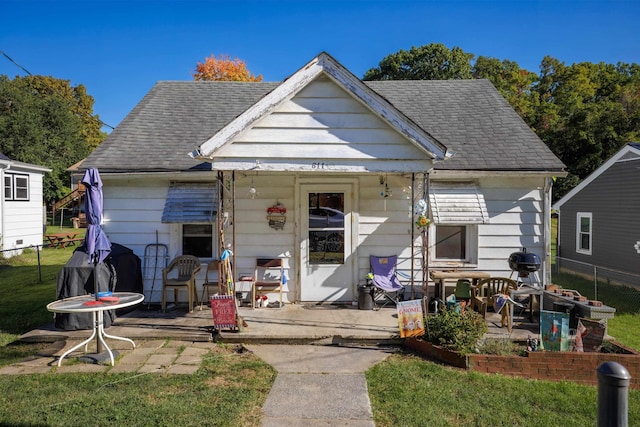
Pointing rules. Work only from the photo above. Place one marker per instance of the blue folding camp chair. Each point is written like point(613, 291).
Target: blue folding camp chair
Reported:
point(386, 285)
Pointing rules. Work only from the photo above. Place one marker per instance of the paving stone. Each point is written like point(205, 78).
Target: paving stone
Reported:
point(188, 360)
point(157, 369)
point(144, 350)
point(167, 350)
point(12, 370)
point(194, 351)
point(154, 344)
point(177, 343)
point(38, 369)
point(202, 344)
point(81, 368)
point(161, 359)
point(40, 361)
point(133, 359)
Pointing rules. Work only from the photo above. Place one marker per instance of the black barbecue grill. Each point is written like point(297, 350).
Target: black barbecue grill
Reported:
point(524, 262)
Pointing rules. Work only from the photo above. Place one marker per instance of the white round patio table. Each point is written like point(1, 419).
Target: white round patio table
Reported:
point(88, 304)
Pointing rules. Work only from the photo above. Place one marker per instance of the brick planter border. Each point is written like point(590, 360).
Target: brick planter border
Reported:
point(545, 365)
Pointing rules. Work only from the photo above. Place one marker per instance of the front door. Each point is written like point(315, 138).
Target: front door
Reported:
point(325, 253)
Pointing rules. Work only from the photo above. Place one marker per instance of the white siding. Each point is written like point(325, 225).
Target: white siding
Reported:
point(23, 220)
point(133, 211)
point(516, 220)
point(323, 123)
point(132, 217)
point(254, 237)
point(385, 226)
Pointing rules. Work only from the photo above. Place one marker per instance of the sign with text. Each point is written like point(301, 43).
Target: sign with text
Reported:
point(410, 318)
point(223, 308)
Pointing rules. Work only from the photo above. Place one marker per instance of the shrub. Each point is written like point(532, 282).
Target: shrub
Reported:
point(457, 331)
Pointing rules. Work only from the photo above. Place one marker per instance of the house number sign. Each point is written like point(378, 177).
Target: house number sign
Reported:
point(318, 165)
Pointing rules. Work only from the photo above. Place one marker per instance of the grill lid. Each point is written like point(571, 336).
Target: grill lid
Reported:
point(524, 262)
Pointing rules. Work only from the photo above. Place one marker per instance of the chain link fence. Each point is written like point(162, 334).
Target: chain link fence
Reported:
point(35, 257)
point(613, 287)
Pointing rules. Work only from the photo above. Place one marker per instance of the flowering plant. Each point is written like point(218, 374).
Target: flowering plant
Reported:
point(422, 221)
point(369, 276)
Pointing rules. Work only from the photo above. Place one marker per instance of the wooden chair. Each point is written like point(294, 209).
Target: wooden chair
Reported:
point(484, 293)
point(187, 266)
point(268, 278)
point(214, 267)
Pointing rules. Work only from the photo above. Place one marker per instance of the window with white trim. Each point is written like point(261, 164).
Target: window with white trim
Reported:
point(16, 187)
point(584, 233)
point(197, 240)
point(454, 245)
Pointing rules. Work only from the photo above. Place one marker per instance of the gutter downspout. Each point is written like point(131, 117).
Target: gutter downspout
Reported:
point(546, 273)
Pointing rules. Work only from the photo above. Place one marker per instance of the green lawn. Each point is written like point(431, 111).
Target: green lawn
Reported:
point(407, 391)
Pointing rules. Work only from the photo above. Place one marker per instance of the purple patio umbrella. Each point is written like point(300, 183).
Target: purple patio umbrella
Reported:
point(97, 244)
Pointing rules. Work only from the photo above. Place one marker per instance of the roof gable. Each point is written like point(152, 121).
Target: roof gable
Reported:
point(627, 153)
point(325, 65)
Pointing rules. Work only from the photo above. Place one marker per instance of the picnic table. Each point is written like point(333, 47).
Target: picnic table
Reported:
point(62, 240)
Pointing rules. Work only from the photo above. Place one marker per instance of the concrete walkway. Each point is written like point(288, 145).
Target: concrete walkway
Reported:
point(319, 385)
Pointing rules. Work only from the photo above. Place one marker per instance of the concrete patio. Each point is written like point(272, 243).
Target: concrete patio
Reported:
point(294, 323)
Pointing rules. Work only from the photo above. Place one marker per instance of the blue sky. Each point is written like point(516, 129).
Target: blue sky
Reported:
point(119, 49)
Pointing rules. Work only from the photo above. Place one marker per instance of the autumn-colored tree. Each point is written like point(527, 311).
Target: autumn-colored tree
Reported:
point(224, 68)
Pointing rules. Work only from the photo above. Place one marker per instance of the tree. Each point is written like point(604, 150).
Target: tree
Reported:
point(224, 68)
point(45, 121)
point(513, 83)
point(430, 62)
point(587, 112)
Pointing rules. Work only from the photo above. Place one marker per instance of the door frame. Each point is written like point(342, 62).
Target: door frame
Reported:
point(351, 258)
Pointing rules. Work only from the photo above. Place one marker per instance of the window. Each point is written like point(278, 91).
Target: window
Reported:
point(197, 240)
point(451, 242)
point(326, 228)
point(8, 187)
point(16, 187)
point(454, 245)
point(583, 233)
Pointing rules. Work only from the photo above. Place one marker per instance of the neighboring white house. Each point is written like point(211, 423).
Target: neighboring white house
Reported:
point(348, 160)
point(22, 211)
point(598, 221)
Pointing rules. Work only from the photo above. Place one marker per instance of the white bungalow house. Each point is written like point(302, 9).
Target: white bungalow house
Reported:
point(22, 211)
point(348, 160)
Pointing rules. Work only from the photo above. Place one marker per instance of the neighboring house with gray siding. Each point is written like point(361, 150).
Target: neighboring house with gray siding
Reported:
point(599, 223)
point(344, 158)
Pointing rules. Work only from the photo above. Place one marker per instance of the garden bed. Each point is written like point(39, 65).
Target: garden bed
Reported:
point(544, 365)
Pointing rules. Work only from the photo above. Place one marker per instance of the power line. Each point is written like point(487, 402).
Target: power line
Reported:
point(53, 89)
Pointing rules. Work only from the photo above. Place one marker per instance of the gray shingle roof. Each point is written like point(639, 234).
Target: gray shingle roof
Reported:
point(171, 121)
point(468, 116)
point(473, 120)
